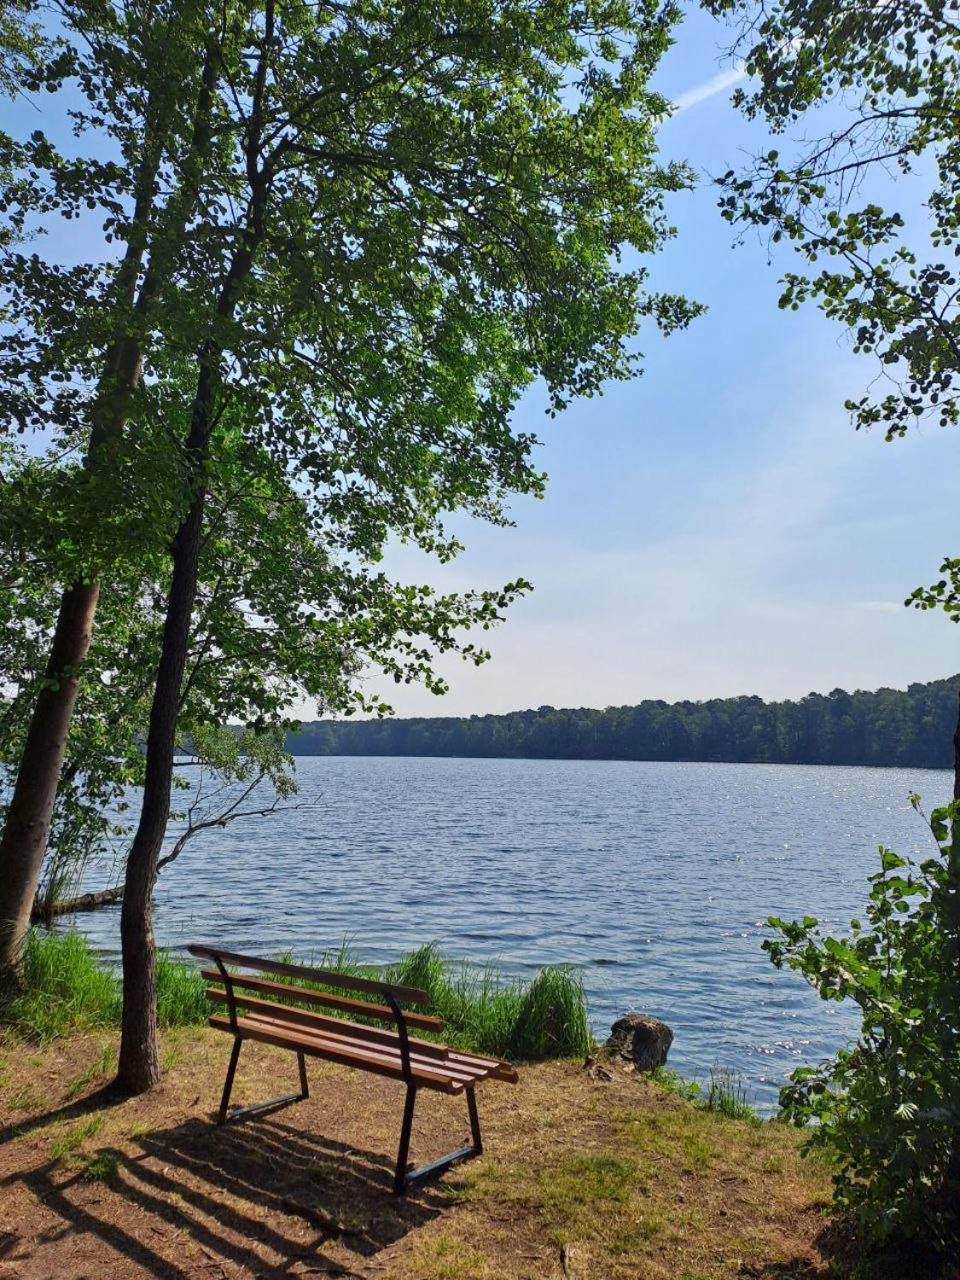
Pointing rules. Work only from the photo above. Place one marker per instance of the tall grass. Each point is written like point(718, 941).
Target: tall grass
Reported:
point(546, 1018)
point(68, 989)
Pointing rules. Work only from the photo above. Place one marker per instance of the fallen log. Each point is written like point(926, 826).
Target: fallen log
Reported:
point(44, 912)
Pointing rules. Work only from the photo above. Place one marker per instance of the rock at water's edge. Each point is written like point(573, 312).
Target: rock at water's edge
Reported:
point(643, 1040)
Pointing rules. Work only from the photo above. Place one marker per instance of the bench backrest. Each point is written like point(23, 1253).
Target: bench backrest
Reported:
point(383, 1002)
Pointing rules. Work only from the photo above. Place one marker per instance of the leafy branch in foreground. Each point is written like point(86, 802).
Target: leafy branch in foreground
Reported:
point(889, 1108)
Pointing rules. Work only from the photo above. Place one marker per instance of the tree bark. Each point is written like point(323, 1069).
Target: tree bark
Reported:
point(138, 1066)
point(24, 839)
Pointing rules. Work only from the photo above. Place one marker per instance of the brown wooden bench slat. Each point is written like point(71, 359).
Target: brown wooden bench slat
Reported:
point(408, 995)
point(379, 1064)
point(464, 1072)
point(359, 1008)
point(498, 1071)
point(326, 1022)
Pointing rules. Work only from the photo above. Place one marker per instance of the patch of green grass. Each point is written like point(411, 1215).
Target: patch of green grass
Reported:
point(723, 1093)
point(534, 1022)
point(632, 1236)
point(582, 1189)
point(28, 1098)
point(441, 1257)
point(74, 1138)
point(101, 1166)
point(64, 988)
point(181, 993)
point(102, 1065)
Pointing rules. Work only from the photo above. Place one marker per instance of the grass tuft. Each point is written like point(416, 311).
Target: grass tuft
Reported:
point(64, 989)
point(723, 1093)
point(72, 1139)
point(101, 1166)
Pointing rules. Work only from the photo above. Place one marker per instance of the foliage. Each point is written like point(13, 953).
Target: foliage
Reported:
point(889, 1108)
point(888, 727)
point(883, 82)
point(355, 281)
point(68, 988)
point(943, 594)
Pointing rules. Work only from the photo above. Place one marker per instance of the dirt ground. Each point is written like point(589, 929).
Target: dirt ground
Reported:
point(582, 1178)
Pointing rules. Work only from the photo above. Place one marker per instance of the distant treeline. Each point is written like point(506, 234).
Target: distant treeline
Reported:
point(889, 727)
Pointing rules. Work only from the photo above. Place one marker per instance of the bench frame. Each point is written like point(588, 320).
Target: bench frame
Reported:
point(403, 1177)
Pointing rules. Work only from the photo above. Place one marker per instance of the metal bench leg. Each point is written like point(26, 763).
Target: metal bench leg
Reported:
point(400, 1177)
point(226, 1115)
point(228, 1083)
point(403, 1178)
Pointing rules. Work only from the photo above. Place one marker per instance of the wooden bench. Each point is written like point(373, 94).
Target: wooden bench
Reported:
point(258, 1008)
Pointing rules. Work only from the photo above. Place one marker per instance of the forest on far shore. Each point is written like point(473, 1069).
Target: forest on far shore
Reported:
point(912, 727)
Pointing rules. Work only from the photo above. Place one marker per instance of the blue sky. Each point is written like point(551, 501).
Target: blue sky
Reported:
point(716, 526)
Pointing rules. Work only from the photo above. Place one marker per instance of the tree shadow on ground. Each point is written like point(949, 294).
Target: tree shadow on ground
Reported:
point(107, 1095)
point(263, 1196)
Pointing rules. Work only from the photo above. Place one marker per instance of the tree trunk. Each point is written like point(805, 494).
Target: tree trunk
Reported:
point(24, 839)
point(138, 1067)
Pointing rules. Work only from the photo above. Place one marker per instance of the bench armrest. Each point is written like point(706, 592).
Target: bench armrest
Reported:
point(402, 1035)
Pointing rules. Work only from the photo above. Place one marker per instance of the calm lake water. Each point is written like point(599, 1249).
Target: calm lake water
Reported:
point(655, 878)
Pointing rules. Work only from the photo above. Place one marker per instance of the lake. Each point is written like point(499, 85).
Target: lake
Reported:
point(655, 878)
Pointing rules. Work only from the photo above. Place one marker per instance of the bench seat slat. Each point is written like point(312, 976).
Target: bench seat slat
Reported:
point(326, 1022)
point(348, 981)
point(493, 1067)
point(455, 1070)
point(359, 1008)
point(316, 1047)
point(497, 1070)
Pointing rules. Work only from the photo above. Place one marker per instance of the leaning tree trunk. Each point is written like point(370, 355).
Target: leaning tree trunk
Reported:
point(24, 839)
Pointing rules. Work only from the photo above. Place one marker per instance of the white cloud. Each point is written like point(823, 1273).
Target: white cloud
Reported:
point(709, 88)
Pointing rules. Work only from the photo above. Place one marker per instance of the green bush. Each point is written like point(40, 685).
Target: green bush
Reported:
point(889, 1108)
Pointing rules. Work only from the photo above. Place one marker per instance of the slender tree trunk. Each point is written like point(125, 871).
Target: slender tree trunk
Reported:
point(138, 1067)
point(24, 839)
